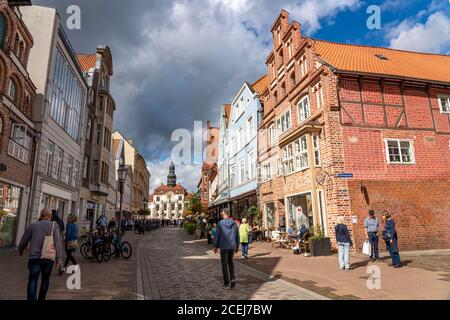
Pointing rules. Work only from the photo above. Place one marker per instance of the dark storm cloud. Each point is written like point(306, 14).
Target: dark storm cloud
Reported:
point(177, 61)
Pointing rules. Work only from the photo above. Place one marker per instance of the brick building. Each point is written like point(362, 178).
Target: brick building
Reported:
point(349, 128)
point(209, 167)
point(17, 131)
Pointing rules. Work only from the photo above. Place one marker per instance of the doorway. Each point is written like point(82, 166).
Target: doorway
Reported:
point(299, 210)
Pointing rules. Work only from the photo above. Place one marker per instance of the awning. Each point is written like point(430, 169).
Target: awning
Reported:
point(218, 201)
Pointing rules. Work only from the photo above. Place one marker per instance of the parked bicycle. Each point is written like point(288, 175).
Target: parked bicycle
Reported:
point(120, 247)
point(97, 247)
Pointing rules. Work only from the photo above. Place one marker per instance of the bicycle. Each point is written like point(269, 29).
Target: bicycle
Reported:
point(122, 248)
point(96, 247)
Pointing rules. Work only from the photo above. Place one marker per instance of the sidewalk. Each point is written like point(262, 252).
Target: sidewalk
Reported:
point(111, 280)
point(426, 276)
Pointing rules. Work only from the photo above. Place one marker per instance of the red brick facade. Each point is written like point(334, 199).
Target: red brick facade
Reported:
point(358, 114)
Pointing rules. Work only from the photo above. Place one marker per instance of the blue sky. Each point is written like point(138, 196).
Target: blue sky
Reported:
point(178, 61)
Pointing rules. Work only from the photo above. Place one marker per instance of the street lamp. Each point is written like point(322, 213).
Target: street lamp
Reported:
point(122, 174)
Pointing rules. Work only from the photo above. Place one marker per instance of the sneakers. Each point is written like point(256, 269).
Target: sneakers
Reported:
point(226, 287)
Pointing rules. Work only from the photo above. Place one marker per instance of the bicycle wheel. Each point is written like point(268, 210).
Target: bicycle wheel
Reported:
point(126, 250)
point(106, 252)
point(98, 253)
point(86, 251)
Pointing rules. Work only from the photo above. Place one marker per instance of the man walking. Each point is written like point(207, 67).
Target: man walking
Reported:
point(227, 240)
point(371, 225)
point(35, 235)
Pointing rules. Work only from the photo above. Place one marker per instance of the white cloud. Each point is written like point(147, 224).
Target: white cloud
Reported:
point(431, 36)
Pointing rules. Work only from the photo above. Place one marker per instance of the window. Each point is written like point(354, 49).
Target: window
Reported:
point(301, 157)
point(284, 122)
point(165, 206)
point(157, 199)
point(172, 206)
point(444, 104)
point(3, 28)
point(180, 206)
point(304, 109)
point(107, 139)
point(69, 170)
point(232, 176)
point(11, 90)
point(19, 143)
point(267, 172)
point(101, 103)
point(272, 134)
point(89, 129)
point(303, 65)
point(58, 161)
point(319, 95)
point(85, 167)
point(180, 198)
point(76, 174)
point(49, 158)
point(251, 164)
point(242, 175)
point(99, 133)
point(288, 159)
point(279, 168)
point(250, 129)
point(316, 147)
point(400, 151)
point(105, 173)
point(293, 79)
point(95, 170)
point(67, 97)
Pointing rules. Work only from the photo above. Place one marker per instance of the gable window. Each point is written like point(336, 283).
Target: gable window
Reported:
point(400, 151)
point(284, 122)
point(11, 90)
point(444, 104)
point(316, 147)
point(304, 109)
point(319, 95)
point(288, 159)
point(301, 150)
point(19, 143)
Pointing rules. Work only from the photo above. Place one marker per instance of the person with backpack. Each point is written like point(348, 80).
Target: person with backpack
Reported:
point(344, 243)
point(44, 238)
point(391, 239)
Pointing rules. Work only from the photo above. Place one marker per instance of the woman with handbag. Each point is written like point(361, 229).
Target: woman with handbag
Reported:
point(344, 244)
point(390, 237)
point(71, 243)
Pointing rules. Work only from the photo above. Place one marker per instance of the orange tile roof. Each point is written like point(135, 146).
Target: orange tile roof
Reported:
point(87, 61)
point(261, 84)
point(399, 63)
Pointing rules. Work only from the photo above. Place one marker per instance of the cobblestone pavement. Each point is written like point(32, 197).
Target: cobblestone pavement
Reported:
point(113, 280)
point(171, 266)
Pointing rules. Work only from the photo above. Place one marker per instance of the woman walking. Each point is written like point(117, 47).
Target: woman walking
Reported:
point(344, 243)
point(244, 229)
point(390, 236)
point(71, 241)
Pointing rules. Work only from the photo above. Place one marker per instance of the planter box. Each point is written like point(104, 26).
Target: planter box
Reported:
point(320, 247)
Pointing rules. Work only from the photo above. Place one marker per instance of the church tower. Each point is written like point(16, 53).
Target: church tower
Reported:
point(172, 177)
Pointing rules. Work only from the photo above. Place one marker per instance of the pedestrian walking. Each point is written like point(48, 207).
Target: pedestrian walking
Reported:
point(213, 231)
point(227, 240)
point(371, 226)
point(44, 238)
point(390, 237)
point(71, 242)
point(56, 218)
point(344, 243)
point(244, 229)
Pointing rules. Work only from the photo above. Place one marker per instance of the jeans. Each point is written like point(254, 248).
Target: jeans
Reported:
point(373, 239)
point(344, 255)
point(36, 267)
point(226, 257)
point(70, 257)
point(244, 249)
point(393, 252)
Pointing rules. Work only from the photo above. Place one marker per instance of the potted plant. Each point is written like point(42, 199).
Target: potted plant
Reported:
point(319, 245)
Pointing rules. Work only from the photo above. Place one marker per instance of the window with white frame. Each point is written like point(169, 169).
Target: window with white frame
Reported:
point(241, 138)
point(58, 161)
point(232, 175)
point(76, 174)
point(316, 147)
point(304, 110)
point(319, 95)
point(279, 168)
point(303, 66)
point(444, 104)
point(288, 159)
point(267, 172)
point(250, 129)
point(49, 158)
point(251, 164)
point(19, 143)
point(284, 122)
point(301, 154)
point(242, 176)
point(89, 129)
point(400, 151)
point(272, 134)
point(69, 170)
point(85, 167)
point(11, 90)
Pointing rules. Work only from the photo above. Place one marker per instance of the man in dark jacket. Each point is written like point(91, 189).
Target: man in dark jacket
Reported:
point(227, 240)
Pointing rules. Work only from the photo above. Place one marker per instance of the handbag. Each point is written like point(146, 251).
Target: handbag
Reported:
point(48, 247)
point(386, 235)
point(367, 248)
point(72, 244)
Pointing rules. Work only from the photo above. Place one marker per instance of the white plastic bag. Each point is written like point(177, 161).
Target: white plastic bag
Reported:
point(367, 248)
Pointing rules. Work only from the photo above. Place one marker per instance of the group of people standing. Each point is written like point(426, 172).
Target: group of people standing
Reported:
point(371, 230)
point(46, 238)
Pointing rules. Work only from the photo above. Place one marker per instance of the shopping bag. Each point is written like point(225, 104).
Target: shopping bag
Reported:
point(367, 248)
point(48, 248)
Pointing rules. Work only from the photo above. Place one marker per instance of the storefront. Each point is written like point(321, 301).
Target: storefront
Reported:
point(10, 199)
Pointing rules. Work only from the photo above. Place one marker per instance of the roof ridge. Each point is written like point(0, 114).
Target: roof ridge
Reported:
point(380, 47)
point(259, 79)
